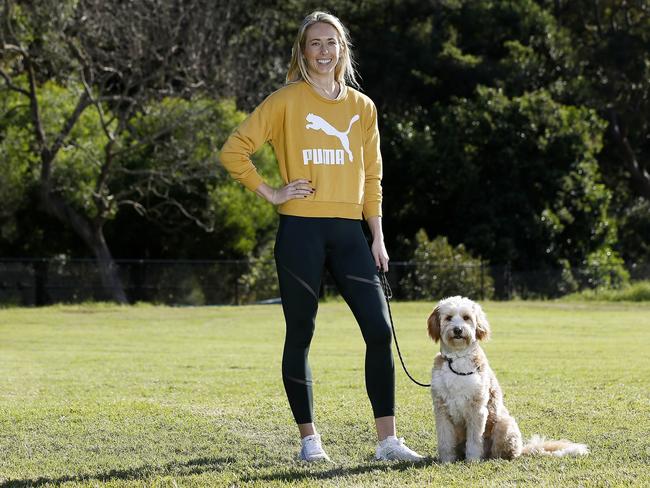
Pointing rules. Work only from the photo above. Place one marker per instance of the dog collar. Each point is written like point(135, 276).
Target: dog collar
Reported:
point(451, 360)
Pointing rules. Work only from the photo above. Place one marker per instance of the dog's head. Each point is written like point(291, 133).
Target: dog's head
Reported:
point(458, 322)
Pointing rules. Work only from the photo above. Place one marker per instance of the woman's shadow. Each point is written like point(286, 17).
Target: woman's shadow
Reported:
point(193, 466)
point(205, 465)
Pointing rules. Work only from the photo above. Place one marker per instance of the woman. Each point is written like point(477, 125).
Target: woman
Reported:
point(326, 140)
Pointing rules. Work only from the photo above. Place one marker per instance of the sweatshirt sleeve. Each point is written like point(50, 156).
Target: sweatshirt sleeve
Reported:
point(372, 166)
point(245, 140)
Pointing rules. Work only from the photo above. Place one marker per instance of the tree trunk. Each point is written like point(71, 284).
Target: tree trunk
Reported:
point(108, 271)
point(638, 171)
point(93, 235)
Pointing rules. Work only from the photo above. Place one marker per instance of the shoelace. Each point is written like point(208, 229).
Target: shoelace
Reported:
point(393, 446)
point(312, 445)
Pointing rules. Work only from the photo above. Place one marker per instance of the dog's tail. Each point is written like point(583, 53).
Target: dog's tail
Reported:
point(539, 446)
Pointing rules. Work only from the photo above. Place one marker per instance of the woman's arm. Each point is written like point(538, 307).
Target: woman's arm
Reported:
point(372, 189)
point(378, 247)
point(236, 153)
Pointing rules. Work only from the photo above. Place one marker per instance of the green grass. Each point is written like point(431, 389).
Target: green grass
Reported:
point(153, 396)
point(634, 292)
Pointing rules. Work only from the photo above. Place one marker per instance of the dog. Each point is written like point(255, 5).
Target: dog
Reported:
point(318, 123)
point(471, 420)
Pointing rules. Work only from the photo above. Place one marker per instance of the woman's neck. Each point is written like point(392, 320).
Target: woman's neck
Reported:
point(327, 87)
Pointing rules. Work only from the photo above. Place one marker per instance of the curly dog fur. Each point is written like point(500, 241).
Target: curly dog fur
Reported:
point(472, 421)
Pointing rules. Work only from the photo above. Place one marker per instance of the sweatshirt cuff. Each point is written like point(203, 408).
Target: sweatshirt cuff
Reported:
point(371, 209)
point(252, 181)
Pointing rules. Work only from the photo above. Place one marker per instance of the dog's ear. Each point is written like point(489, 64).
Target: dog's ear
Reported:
point(434, 324)
point(482, 324)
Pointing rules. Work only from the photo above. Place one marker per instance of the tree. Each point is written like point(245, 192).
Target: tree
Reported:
point(514, 179)
point(610, 72)
point(87, 74)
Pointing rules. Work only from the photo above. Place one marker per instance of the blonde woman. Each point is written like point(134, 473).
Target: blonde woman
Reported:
point(325, 137)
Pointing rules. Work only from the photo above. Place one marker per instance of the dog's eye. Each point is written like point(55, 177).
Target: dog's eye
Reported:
point(448, 317)
point(466, 318)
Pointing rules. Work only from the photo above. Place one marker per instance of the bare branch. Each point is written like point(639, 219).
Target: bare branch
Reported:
point(11, 85)
point(171, 202)
point(70, 122)
point(46, 156)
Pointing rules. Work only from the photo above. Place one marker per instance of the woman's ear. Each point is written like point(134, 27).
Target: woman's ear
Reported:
point(482, 324)
point(434, 324)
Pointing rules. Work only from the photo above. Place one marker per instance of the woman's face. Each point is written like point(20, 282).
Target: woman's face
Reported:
point(322, 49)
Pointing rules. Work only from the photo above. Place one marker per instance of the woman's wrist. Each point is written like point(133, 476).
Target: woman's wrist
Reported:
point(267, 192)
point(374, 223)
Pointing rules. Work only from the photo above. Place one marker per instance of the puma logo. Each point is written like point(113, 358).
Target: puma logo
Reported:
point(319, 123)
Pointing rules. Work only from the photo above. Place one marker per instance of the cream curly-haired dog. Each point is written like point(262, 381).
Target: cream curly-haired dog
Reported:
point(471, 420)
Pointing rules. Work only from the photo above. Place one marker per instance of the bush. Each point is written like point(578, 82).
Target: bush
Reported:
point(604, 269)
point(635, 292)
point(443, 270)
point(261, 281)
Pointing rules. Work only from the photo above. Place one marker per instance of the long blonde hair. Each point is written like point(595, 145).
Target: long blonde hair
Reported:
point(344, 72)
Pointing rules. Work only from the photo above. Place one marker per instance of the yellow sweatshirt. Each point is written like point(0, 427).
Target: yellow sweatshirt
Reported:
point(333, 143)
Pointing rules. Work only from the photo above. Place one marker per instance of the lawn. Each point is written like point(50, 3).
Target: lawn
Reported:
point(104, 395)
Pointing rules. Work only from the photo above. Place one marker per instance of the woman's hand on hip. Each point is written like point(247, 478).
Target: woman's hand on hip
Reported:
point(296, 189)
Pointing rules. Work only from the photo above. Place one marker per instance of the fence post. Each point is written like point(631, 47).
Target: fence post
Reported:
point(237, 276)
point(40, 267)
point(509, 281)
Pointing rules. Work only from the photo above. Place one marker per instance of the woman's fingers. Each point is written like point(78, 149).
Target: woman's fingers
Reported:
point(299, 189)
point(380, 254)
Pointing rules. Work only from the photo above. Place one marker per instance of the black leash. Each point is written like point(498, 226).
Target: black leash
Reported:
point(388, 293)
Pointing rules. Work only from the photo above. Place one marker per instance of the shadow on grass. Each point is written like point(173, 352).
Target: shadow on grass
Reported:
point(193, 466)
point(204, 465)
point(302, 473)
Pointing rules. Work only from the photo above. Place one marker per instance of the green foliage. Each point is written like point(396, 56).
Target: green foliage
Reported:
point(493, 123)
point(163, 167)
point(634, 292)
point(166, 164)
point(443, 270)
point(241, 212)
point(19, 168)
point(557, 57)
point(260, 282)
point(78, 165)
point(164, 159)
point(514, 179)
point(604, 269)
point(634, 229)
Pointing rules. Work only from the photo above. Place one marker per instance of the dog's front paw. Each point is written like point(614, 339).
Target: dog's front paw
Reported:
point(472, 458)
point(447, 458)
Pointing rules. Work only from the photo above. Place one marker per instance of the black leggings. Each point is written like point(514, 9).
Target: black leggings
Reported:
point(304, 247)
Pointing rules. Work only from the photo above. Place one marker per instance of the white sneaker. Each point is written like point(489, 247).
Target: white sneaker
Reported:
point(394, 449)
point(312, 450)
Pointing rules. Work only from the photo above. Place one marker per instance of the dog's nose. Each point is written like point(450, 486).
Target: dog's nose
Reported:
point(458, 331)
